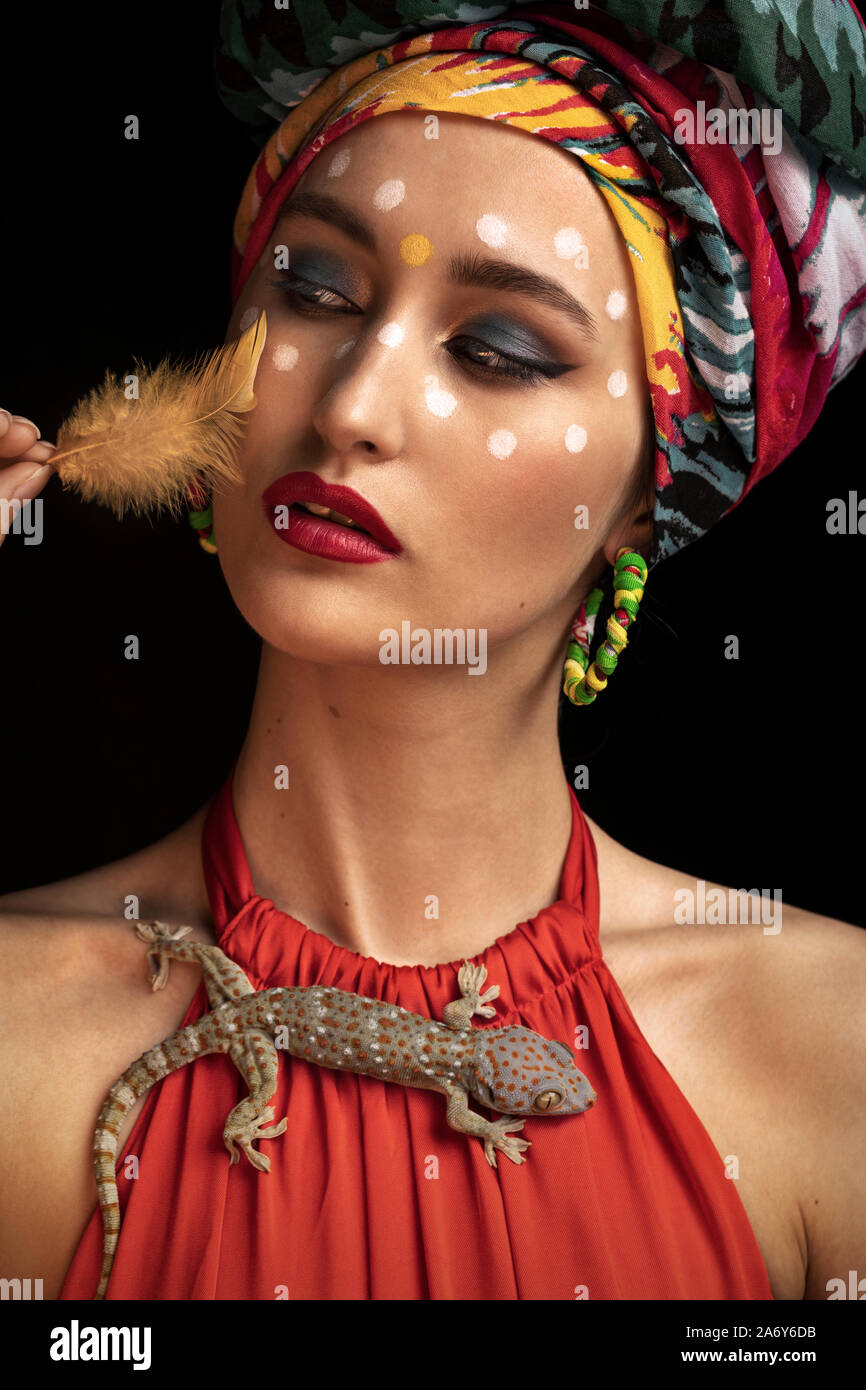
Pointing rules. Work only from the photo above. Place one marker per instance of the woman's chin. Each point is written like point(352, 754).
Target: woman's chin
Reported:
point(311, 632)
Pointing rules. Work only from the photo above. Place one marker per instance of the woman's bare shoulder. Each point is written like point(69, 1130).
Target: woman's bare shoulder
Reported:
point(75, 1009)
point(754, 997)
point(163, 879)
point(762, 957)
point(69, 953)
point(70, 946)
point(640, 895)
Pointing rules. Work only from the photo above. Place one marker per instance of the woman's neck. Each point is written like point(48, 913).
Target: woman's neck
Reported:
point(408, 815)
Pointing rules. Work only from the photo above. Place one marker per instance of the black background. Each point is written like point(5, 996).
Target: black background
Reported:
point(745, 772)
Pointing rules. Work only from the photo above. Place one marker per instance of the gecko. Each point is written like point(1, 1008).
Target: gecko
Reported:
point(512, 1070)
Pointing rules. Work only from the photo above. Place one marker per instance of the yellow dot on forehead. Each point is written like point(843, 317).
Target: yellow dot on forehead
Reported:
point(416, 249)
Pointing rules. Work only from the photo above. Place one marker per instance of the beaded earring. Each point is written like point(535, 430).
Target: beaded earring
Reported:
point(583, 676)
point(201, 516)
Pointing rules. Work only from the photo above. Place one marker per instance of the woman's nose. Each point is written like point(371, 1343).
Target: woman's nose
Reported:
point(371, 393)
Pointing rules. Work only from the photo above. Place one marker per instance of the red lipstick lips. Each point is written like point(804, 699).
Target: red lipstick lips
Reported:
point(319, 535)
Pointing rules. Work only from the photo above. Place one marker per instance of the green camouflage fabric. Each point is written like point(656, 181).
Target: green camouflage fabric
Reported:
point(807, 57)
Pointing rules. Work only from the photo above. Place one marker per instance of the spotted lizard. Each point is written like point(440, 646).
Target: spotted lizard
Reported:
point(510, 1070)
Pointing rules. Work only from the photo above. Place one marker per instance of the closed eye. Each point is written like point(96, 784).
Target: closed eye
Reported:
point(306, 298)
point(294, 286)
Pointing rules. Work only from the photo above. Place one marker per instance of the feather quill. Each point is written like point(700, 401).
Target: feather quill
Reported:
point(144, 453)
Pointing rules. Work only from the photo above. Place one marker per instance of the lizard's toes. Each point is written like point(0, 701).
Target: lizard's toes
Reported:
point(260, 1161)
point(504, 1126)
point(471, 973)
point(490, 1153)
point(512, 1149)
point(274, 1132)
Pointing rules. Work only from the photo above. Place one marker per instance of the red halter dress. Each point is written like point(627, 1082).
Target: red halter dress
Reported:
point(371, 1194)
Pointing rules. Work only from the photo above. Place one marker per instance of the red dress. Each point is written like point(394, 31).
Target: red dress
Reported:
point(371, 1195)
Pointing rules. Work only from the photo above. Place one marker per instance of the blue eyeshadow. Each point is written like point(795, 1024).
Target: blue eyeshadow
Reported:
point(507, 337)
point(321, 268)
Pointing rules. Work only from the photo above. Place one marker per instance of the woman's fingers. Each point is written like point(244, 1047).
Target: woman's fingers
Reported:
point(27, 475)
point(17, 433)
point(26, 478)
point(25, 465)
point(40, 452)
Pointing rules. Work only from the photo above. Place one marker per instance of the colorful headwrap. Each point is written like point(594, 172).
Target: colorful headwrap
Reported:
point(749, 258)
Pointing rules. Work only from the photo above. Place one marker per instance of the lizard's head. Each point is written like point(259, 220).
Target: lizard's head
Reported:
point(518, 1072)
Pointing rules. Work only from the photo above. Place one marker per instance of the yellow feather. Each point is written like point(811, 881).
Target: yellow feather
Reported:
point(144, 453)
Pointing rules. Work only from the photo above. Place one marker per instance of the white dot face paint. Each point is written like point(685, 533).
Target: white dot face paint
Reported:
point(616, 304)
point(501, 443)
point(389, 194)
point(391, 335)
point(439, 402)
point(284, 357)
point(339, 164)
point(617, 383)
point(575, 439)
point(568, 243)
point(249, 316)
point(345, 347)
point(492, 230)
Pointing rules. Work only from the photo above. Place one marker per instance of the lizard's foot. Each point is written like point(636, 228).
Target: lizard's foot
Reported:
point(497, 1137)
point(470, 978)
point(158, 935)
point(242, 1135)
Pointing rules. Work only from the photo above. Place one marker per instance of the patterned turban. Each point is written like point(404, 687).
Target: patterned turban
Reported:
point(739, 189)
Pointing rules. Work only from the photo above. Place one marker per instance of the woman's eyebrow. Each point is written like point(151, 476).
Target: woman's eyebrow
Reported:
point(471, 269)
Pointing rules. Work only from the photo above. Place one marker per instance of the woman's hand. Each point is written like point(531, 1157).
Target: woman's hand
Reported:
point(24, 464)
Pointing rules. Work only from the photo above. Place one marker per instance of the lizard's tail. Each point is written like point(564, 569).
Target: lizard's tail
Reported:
point(152, 1066)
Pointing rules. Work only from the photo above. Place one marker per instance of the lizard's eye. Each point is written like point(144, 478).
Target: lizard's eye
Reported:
point(548, 1100)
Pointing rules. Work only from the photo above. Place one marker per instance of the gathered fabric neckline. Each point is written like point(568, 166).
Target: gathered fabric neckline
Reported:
point(528, 959)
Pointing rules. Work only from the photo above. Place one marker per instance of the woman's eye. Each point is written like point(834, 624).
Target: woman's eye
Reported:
point(488, 362)
point(304, 292)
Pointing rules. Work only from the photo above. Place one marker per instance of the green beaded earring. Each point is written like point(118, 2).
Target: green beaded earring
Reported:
point(200, 516)
point(584, 677)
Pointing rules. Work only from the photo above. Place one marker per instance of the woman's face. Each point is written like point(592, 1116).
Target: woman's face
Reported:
point(475, 419)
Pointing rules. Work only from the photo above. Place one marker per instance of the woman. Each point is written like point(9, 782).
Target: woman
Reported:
point(385, 820)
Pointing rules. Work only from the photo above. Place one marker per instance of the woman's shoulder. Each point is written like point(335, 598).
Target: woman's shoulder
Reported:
point(69, 951)
point(76, 1008)
point(777, 971)
point(71, 964)
point(163, 879)
point(747, 997)
point(641, 896)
